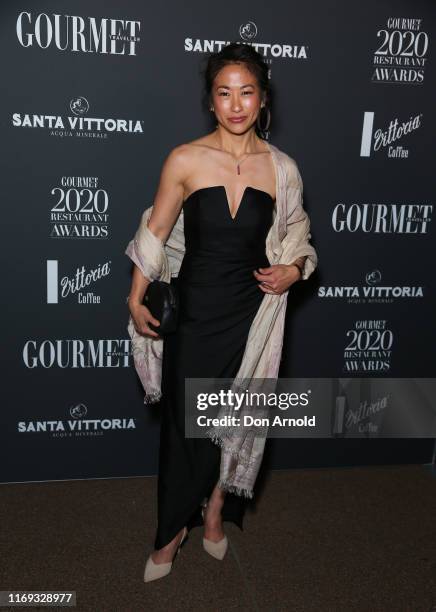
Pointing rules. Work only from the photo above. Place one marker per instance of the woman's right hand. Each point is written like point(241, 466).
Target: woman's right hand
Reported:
point(141, 317)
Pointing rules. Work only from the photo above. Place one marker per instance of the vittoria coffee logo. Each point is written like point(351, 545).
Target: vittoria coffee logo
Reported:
point(79, 425)
point(80, 208)
point(382, 218)
point(78, 34)
point(78, 125)
point(385, 138)
point(248, 31)
point(374, 292)
point(401, 54)
point(362, 421)
point(75, 353)
point(77, 284)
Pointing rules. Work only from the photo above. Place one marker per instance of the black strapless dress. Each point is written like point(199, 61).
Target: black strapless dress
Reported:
point(219, 298)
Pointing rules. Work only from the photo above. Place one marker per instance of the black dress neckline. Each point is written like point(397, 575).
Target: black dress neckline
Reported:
point(246, 188)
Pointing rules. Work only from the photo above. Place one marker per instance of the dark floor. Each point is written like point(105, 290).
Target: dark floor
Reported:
point(340, 540)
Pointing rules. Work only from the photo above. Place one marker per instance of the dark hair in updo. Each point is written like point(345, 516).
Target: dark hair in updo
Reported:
point(231, 54)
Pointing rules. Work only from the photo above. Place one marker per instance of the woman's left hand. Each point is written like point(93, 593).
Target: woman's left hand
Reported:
point(277, 279)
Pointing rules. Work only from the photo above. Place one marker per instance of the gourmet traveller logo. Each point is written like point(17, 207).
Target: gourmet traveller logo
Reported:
point(76, 353)
point(80, 208)
point(378, 218)
point(402, 52)
point(77, 34)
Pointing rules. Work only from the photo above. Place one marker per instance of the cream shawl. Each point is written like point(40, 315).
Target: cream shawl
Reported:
point(288, 239)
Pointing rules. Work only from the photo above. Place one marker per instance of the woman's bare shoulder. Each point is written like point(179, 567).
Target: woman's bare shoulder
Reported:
point(198, 147)
point(187, 153)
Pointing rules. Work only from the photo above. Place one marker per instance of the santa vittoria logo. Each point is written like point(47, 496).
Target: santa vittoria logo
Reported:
point(248, 30)
point(375, 291)
point(80, 424)
point(78, 124)
point(248, 33)
point(79, 106)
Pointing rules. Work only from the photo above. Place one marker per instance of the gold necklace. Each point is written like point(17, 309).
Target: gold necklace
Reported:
point(239, 162)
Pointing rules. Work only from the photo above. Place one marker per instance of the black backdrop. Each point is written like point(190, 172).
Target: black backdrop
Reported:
point(353, 106)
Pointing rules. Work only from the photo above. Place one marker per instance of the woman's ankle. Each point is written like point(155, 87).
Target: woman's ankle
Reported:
point(167, 552)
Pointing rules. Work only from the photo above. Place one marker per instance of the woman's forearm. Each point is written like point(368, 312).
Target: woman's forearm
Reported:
point(139, 286)
point(299, 262)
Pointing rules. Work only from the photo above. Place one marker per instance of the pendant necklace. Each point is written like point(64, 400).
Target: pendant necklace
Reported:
point(238, 169)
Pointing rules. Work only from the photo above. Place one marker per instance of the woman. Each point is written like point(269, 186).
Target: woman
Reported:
point(225, 184)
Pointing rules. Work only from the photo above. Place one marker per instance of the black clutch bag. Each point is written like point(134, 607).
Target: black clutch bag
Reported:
point(162, 300)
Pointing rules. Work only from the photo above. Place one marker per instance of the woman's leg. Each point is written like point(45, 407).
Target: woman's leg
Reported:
point(213, 523)
point(166, 554)
point(213, 527)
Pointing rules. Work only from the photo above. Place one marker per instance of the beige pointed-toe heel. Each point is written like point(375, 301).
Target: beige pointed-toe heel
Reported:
point(154, 571)
point(216, 549)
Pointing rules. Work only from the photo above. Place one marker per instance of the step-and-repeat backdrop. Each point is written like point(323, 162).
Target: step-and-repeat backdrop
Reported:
point(94, 97)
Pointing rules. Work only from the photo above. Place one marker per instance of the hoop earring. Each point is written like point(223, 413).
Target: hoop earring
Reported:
point(264, 129)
